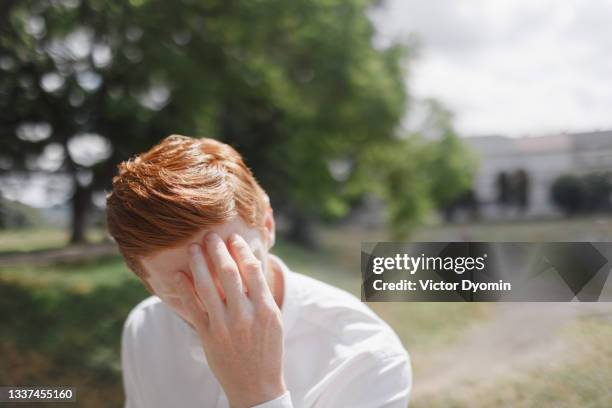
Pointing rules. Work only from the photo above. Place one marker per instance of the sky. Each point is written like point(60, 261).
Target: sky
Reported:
point(509, 67)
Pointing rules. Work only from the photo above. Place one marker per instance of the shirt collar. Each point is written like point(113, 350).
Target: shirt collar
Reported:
point(289, 307)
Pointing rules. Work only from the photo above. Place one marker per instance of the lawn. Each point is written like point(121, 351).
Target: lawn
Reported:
point(583, 380)
point(61, 324)
point(26, 240)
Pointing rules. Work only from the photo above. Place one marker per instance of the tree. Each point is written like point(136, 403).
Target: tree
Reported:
point(75, 73)
point(598, 189)
point(429, 168)
point(450, 164)
point(568, 193)
point(295, 86)
point(589, 192)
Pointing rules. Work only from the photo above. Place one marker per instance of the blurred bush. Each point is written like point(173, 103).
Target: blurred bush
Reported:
point(578, 194)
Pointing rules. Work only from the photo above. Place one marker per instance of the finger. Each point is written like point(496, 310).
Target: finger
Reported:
point(204, 284)
point(196, 313)
point(251, 269)
point(226, 269)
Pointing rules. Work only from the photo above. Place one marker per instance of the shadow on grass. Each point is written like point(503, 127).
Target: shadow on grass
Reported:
point(50, 336)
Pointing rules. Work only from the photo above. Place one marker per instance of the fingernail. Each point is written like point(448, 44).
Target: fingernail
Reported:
point(178, 279)
point(210, 236)
point(234, 239)
point(194, 249)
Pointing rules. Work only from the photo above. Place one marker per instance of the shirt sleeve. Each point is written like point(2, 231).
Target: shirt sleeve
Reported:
point(369, 380)
point(284, 401)
point(127, 368)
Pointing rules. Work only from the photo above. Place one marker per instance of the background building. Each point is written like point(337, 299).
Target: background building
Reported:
point(541, 160)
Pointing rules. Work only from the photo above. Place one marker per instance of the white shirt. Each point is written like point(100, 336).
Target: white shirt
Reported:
point(338, 353)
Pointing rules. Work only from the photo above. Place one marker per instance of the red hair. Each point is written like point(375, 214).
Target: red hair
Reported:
point(164, 196)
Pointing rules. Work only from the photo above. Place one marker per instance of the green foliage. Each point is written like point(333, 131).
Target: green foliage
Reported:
point(567, 192)
point(598, 191)
point(587, 193)
point(418, 173)
point(294, 86)
point(404, 182)
point(451, 163)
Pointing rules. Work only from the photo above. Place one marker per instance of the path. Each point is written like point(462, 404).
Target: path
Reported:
point(519, 336)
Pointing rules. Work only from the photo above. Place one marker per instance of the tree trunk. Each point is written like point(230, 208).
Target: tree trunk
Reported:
point(6, 7)
point(300, 230)
point(2, 215)
point(81, 200)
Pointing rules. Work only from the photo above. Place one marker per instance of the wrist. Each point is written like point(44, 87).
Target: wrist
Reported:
point(263, 393)
point(282, 401)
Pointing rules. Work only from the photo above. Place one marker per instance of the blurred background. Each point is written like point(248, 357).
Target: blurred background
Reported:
point(445, 120)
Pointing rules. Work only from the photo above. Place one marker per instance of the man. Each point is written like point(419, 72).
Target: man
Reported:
point(229, 323)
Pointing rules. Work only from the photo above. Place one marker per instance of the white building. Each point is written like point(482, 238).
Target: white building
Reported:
point(543, 158)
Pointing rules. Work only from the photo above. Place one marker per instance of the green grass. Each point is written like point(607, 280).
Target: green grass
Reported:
point(592, 228)
point(25, 240)
point(61, 324)
point(582, 379)
point(82, 277)
point(426, 327)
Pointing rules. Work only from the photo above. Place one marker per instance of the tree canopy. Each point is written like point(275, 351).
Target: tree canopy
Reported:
point(297, 87)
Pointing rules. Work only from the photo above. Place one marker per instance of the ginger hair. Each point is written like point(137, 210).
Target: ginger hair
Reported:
point(162, 197)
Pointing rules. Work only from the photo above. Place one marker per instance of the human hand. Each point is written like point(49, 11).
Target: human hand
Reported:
point(241, 337)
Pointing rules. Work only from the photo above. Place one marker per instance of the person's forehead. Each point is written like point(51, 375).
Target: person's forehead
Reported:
point(174, 257)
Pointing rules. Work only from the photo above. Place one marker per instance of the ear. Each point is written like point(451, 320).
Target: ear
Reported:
point(269, 227)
